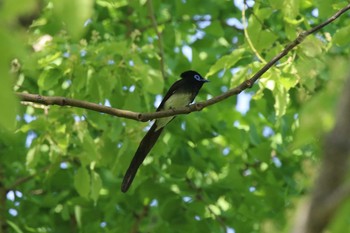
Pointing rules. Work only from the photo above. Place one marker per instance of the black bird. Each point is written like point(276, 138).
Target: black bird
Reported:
point(180, 94)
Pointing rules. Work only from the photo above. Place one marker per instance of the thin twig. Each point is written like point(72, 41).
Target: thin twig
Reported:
point(217, 218)
point(245, 25)
point(199, 197)
point(159, 35)
point(136, 226)
point(25, 179)
point(62, 101)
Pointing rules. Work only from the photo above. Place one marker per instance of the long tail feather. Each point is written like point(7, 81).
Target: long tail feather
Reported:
point(144, 148)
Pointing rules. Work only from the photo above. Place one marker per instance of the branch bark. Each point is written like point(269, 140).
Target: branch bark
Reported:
point(330, 191)
point(62, 101)
point(139, 217)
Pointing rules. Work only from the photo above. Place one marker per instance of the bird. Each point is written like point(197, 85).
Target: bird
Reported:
point(180, 94)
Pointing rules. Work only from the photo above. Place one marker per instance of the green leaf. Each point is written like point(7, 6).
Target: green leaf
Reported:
point(259, 37)
point(325, 8)
point(288, 81)
point(254, 135)
point(317, 116)
point(277, 4)
point(32, 157)
point(282, 100)
point(78, 215)
point(112, 5)
point(290, 9)
point(73, 13)
point(311, 46)
point(8, 102)
point(341, 36)
point(96, 185)
point(263, 40)
point(89, 153)
point(82, 182)
point(153, 81)
point(215, 29)
point(226, 62)
point(49, 78)
point(262, 152)
point(14, 226)
point(9, 9)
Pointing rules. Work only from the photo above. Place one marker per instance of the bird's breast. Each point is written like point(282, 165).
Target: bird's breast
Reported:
point(175, 101)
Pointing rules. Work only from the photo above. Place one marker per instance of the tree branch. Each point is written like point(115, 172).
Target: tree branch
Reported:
point(199, 197)
point(330, 191)
point(334, 168)
point(62, 101)
point(139, 218)
point(159, 35)
point(25, 179)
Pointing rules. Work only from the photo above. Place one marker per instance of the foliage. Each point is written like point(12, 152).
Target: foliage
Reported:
point(218, 170)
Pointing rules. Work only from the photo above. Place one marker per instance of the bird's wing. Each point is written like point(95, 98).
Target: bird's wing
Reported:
point(171, 91)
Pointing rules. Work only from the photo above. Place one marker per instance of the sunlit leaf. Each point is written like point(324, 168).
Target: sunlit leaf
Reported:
point(96, 185)
point(82, 182)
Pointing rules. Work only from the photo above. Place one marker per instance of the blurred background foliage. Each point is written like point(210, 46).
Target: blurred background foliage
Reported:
point(238, 166)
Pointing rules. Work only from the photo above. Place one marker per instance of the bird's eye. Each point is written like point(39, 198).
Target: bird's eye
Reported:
point(197, 77)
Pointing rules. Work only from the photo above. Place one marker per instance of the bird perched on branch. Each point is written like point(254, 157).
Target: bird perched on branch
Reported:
point(180, 94)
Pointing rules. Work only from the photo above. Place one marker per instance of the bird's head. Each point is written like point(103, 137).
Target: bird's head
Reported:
point(193, 76)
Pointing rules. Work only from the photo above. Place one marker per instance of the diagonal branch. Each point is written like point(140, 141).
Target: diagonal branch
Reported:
point(62, 101)
point(159, 35)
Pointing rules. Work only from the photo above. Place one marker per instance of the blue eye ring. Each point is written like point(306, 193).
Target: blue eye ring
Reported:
point(197, 77)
